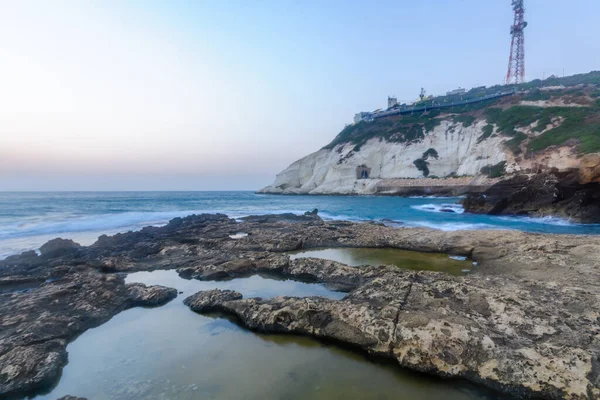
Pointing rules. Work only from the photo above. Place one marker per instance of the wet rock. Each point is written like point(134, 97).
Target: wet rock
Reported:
point(205, 301)
point(391, 222)
point(229, 269)
point(35, 326)
point(525, 321)
point(446, 326)
point(58, 247)
point(150, 296)
point(551, 193)
point(28, 366)
point(18, 283)
point(67, 397)
point(447, 210)
point(285, 217)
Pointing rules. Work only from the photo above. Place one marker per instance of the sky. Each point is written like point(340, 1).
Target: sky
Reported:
point(222, 95)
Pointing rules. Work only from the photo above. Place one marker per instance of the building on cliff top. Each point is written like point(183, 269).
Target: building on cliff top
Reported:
point(456, 91)
point(362, 116)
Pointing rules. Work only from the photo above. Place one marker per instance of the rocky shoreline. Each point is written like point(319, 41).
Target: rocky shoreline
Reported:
point(527, 322)
point(565, 194)
point(572, 194)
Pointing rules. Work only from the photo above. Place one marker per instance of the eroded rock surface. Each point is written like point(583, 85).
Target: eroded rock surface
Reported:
point(492, 331)
point(525, 322)
point(36, 325)
point(551, 193)
point(150, 296)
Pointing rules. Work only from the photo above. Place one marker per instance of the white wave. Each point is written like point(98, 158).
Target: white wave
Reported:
point(541, 220)
point(340, 217)
point(451, 226)
point(122, 222)
point(391, 223)
point(458, 258)
point(436, 197)
point(450, 208)
point(90, 223)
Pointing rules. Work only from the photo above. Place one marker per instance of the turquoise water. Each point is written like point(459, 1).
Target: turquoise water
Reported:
point(27, 220)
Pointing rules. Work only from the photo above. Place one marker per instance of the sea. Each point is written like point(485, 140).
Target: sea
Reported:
point(28, 220)
point(170, 352)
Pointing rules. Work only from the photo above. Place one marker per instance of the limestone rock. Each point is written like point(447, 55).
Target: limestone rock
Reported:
point(589, 170)
point(334, 171)
point(205, 301)
point(526, 321)
point(35, 326)
point(551, 193)
point(491, 331)
point(29, 366)
point(58, 246)
point(150, 296)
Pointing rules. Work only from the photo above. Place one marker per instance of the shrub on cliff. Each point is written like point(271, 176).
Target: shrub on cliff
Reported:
point(466, 120)
point(494, 171)
point(422, 166)
point(486, 132)
point(431, 152)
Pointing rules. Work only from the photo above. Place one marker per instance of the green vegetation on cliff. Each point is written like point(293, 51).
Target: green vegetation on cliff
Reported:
point(408, 128)
point(580, 124)
point(399, 129)
point(528, 128)
point(494, 171)
point(486, 132)
point(466, 120)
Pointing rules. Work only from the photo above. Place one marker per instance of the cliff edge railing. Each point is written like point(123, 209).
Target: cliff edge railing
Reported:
point(408, 110)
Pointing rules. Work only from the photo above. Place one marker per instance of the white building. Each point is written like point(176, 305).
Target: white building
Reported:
point(456, 91)
point(362, 116)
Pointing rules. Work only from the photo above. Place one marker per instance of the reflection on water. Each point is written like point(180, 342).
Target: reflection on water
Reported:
point(402, 258)
point(238, 235)
point(171, 352)
point(254, 286)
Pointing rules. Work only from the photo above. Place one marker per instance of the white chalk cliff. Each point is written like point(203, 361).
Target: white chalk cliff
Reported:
point(334, 171)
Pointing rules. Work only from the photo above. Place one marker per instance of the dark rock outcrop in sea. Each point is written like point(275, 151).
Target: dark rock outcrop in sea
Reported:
point(550, 193)
point(526, 321)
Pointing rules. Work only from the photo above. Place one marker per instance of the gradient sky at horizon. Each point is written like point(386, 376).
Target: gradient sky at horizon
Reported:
point(216, 95)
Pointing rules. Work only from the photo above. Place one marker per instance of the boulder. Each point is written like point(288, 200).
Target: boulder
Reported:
point(58, 247)
point(285, 217)
point(551, 193)
point(150, 296)
point(589, 169)
point(31, 366)
point(206, 301)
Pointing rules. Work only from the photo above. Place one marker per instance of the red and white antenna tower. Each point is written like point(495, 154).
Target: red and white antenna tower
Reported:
point(516, 61)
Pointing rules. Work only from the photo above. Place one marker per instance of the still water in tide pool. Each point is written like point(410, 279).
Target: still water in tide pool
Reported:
point(170, 352)
point(414, 260)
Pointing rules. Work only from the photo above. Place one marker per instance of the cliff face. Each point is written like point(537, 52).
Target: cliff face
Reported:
point(338, 170)
point(528, 132)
